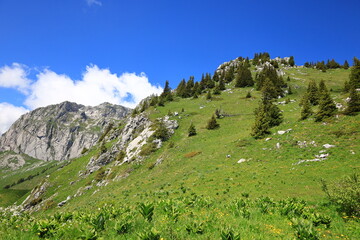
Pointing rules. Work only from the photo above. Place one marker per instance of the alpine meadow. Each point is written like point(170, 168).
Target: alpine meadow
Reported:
point(260, 148)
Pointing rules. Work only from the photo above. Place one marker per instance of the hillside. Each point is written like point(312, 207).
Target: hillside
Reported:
point(216, 182)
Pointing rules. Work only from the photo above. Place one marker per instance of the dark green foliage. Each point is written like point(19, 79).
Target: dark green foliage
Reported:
point(243, 77)
point(291, 61)
point(228, 234)
point(321, 66)
point(181, 89)
point(161, 131)
point(147, 211)
point(288, 79)
point(306, 111)
point(84, 150)
point(208, 95)
point(262, 122)
point(229, 75)
point(355, 74)
point(345, 65)
point(191, 130)
point(332, 64)
point(261, 58)
point(248, 95)
point(327, 107)
point(212, 123)
point(313, 93)
point(216, 90)
point(148, 148)
point(221, 85)
point(353, 105)
point(268, 90)
point(290, 90)
point(346, 87)
point(304, 229)
point(216, 77)
point(100, 175)
point(166, 95)
point(345, 193)
point(269, 72)
point(267, 115)
point(107, 130)
point(153, 100)
point(189, 87)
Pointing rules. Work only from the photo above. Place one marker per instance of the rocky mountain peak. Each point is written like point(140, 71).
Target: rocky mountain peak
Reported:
point(60, 131)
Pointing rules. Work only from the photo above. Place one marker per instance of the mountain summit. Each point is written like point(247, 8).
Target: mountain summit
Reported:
point(60, 131)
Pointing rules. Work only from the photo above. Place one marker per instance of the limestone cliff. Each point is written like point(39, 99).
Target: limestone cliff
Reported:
point(61, 131)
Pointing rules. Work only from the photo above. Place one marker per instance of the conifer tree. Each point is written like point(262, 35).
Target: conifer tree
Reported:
point(346, 65)
point(216, 90)
point(327, 107)
point(243, 77)
point(208, 95)
point(166, 95)
point(268, 90)
point(181, 89)
point(261, 126)
point(291, 61)
point(189, 87)
point(306, 108)
point(355, 74)
point(212, 123)
point(216, 77)
point(192, 130)
point(353, 105)
point(313, 93)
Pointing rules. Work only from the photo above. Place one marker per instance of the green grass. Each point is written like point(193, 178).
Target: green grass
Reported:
point(268, 171)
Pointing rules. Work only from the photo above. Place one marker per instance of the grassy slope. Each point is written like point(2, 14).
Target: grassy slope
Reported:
point(37, 168)
point(268, 171)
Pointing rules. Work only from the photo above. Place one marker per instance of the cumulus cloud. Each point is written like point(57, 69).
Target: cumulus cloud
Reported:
point(93, 2)
point(95, 87)
point(9, 114)
point(14, 76)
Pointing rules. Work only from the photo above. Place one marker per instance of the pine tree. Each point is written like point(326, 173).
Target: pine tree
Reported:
point(346, 65)
point(261, 126)
point(243, 77)
point(313, 93)
point(181, 89)
point(353, 105)
point(216, 90)
point(189, 87)
point(166, 95)
point(192, 130)
point(212, 123)
point(306, 108)
point(268, 90)
point(346, 87)
point(208, 95)
point(327, 107)
point(355, 74)
point(291, 61)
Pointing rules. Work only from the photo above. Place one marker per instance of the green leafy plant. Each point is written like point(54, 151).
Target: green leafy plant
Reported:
point(147, 211)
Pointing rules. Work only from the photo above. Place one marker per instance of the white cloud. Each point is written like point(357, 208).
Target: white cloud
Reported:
point(93, 2)
point(96, 86)
point(9, 114)
point(14, 76)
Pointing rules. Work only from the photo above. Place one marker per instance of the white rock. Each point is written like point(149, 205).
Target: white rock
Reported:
point(268, 139)
point(328, 145)
point(241, 160)
point(278, 145)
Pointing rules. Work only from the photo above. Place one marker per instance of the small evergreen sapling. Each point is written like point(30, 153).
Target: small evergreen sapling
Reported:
point(212, 123)
point(192, 130)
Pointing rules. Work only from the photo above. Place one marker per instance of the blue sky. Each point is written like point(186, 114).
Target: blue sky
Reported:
point(128, 48)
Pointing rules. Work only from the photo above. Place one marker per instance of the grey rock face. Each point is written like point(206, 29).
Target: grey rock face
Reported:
point(61, 131)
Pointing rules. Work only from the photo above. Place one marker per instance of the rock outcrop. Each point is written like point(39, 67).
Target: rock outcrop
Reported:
point(61, 131)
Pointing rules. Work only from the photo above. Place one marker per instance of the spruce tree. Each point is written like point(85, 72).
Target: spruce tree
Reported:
point(181, 89)
point(212, 123)
point(243, 77)
point(191, 130)
point(291, 61)
point(166, 95)
point(189, 87)
point(327, 107)
point(346, 65)
point(313, 93)
point(268, 90)
point(306, 111)
point(355, 74)
point(353, 105)
point(261, 126)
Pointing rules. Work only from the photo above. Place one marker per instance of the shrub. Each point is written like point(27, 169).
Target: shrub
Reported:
point(147, 211)
point(345, 194)
point(212, 123)
point(304, 229)
point(191, 130)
